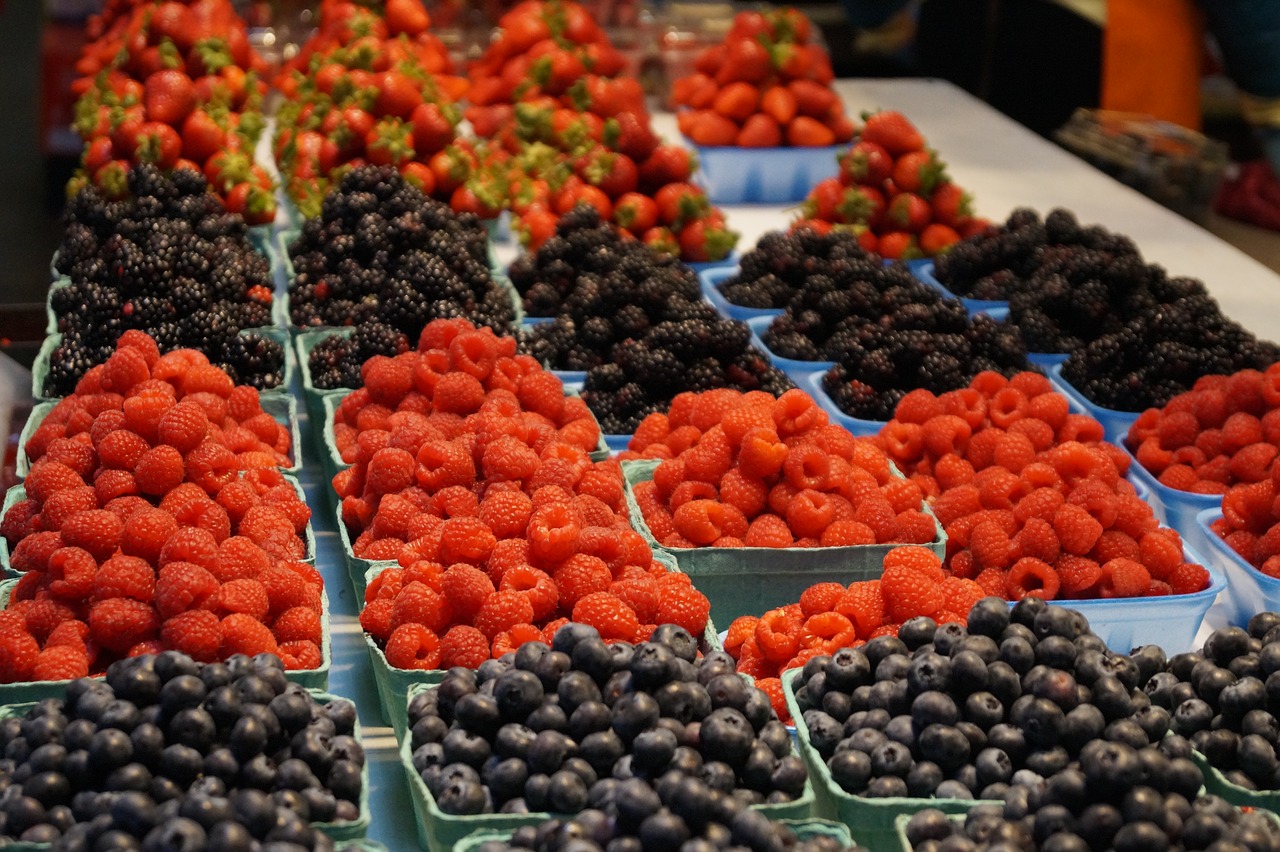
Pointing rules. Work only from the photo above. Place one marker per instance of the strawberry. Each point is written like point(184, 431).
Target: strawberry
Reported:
point(628, 134)
point(818, 226)
point(635, 212)
point(575, 193)
point(868, 240)
point(96, 154)
point(667, 164)
point(169, 97)
point(897, 245)
point(806, 132)
point(158, 143)
point(748, 25)
point(420, 175)
point(788, 24)
point(823, 200)
point(452, 167)
point(703, 240)
point(201, 136)
point(709, 60)
point(918, 172)
point(745, 60)
point(759, 131)
point(908, 212)
point(970, 228)
point(225, 169)
point(679, 203)
point(348, 128)
point(255, 204)
point(696, 91)
point(737, 101)
point(432, 129)
point(951, 204)
point(813, 99)
point(792, 62)
point(866, 163)
point(406, 16)
point(389, 143)
point(475, 196)
point(893, 132)
point(712, 129)
point(778, 103)
point(112, 179)
point(662, 240)
point(937, 238)
point(614, 173)
point(536, 225)
point(398, 95)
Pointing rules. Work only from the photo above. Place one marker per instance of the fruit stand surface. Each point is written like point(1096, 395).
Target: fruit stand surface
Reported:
point(1005, 166)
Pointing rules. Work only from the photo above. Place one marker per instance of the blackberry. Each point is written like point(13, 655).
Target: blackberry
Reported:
point(382, 252)
point(335, 361)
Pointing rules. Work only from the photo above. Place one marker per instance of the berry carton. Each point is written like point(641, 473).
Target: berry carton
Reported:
point(711, 280)
point(1174, 507)
point(734, 175)
point(875, 818)
point(813, 385)
point(742, 580)
point(1249, 591)
point(1115, 423)
point(805, 829)
point(923, 269)
point(798, 371)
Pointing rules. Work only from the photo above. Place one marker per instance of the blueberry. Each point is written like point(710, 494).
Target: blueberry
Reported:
point(891, 758)
point(1262, 723)
point(923, 778)
point(893, 667)
point(968, 673)
point(1192, 716)
point(548, 751)
point(591, 656)
point(945, 746)
point(428, 729)
point(602, 750)
point(1039, 719)
point(653, 750)
point(1110, 766)
point(550, 716)
point(900, 729)
point(1017, 653)
point(1211, 684)
point(577, 688)
point(1238, 698)
point(518, 693)
point(636, 712)
point(932, 707)
point(550, 667)
point(344, 780)
point(570, 635)
point(1004, 683)
point(458, 682)
point(120, 714)
point(293, 710)
point(131, 776)
point(1010, 740)
point(886, 787)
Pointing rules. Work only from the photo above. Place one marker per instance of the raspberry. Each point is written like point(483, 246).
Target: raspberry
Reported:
point(389, 471)
point(914, 527)
point(125, 368)
point(642, 594)
point(375, 618)
point(458, 393)
point(463, 645)
point(683, 605)
point(768, 531)
point(61, 662)
point(579, 576)
point(762, 454)
point(211, 466)
point(604, 483)
point(990, 545)
point(19, 653)
point(240, 558)
point(608, 614)
point(908, 593)
point(536, 585)
point(466, 588)
point(806, 466)
point(418, 603)
point(1253, 462)
point(244, 596)
point(552, 534)
point(1114, 544)
point(652, 430)
point(97, 531)
point(412, 646)
point(821, 597)
point(298, 624)
point(508, 458)
point(509, 641)
point(1188, 578)
point(772, 687)
point(828, 631)
point(778, 635)
point(795, 413)
point(847, 534)
point(272, 531)
point(507, 554)
point(388, 380)
point(876, 513)
point(243, 634)
point(159, 470)
point(300, 655)
point(125, 577)
point(466, 540)
point(1030, 576)
point(183, 427)
point(118, 624)
point(183, 586)
point(1077, 530)
point(810, 513)
point(197, 633)
point(42, 616)
point(506, 513)
point(1124, 578)
point(207, 378)
point(502, 611)
point(65, 503)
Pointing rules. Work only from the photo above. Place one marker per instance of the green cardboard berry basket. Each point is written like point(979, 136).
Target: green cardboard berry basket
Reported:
point(305, 341)
point(805, 829)
point(358, 568)
point(752, 580)
point(40, 367)
point(59, 281)
point(1215, 783)
point(873, 819)
point(14, 495)
point(440, 832)
point(394, 683)
point(316, 679)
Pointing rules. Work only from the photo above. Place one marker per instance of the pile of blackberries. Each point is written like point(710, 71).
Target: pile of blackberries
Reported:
point(1004, 262)
point(565, 727)
point(1080, 818)
point(1160, 354)
point(1025, 697)
point(170, 261)
point(783, 262)
point(681, 813)
point(1226, 699)
point(877, 363)
point(336, 360)
point(168, 753)
point(382, 251)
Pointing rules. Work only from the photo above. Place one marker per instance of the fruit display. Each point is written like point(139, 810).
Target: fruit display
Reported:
point(578, 723)
point(371, 85)
point(386, 259)
point(1220, 697)
point(1220, 433)
point(174, 84)
point(188, 538)
point(751, 470)
point(1249, 523)
point(894, 193)
point(767, 85)
point(171, 753)
point(1032, 501)
point(479, 484)
point(1023, 704)
point(831, 616)
point(168, 260)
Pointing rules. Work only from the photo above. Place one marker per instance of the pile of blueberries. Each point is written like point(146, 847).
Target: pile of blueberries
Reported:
point(570, 726)
point(167, 753)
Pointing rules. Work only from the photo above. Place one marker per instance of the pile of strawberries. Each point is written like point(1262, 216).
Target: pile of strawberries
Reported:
point(749, 470)
point(470, 468)
point(766, 85)
point(1032, 500)
point(156, 518)
point(174, 84)
point(894, 192)
point(1222, 432)
point(831, 616)
point(1250, 523)
point(371, 85)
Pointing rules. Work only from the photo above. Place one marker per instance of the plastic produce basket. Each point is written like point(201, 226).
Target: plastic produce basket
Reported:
point(710, 281)
point(1249, 591)
point(304, 342)
point(441, 832)
point(734, 175)
point(805, 829)
point(751, 580)
point(924, 271)
point(798, 371)
point(813, 386)
point(1115, 424)
point(871, 819)
point(1174, 507)
point(1216, 784)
